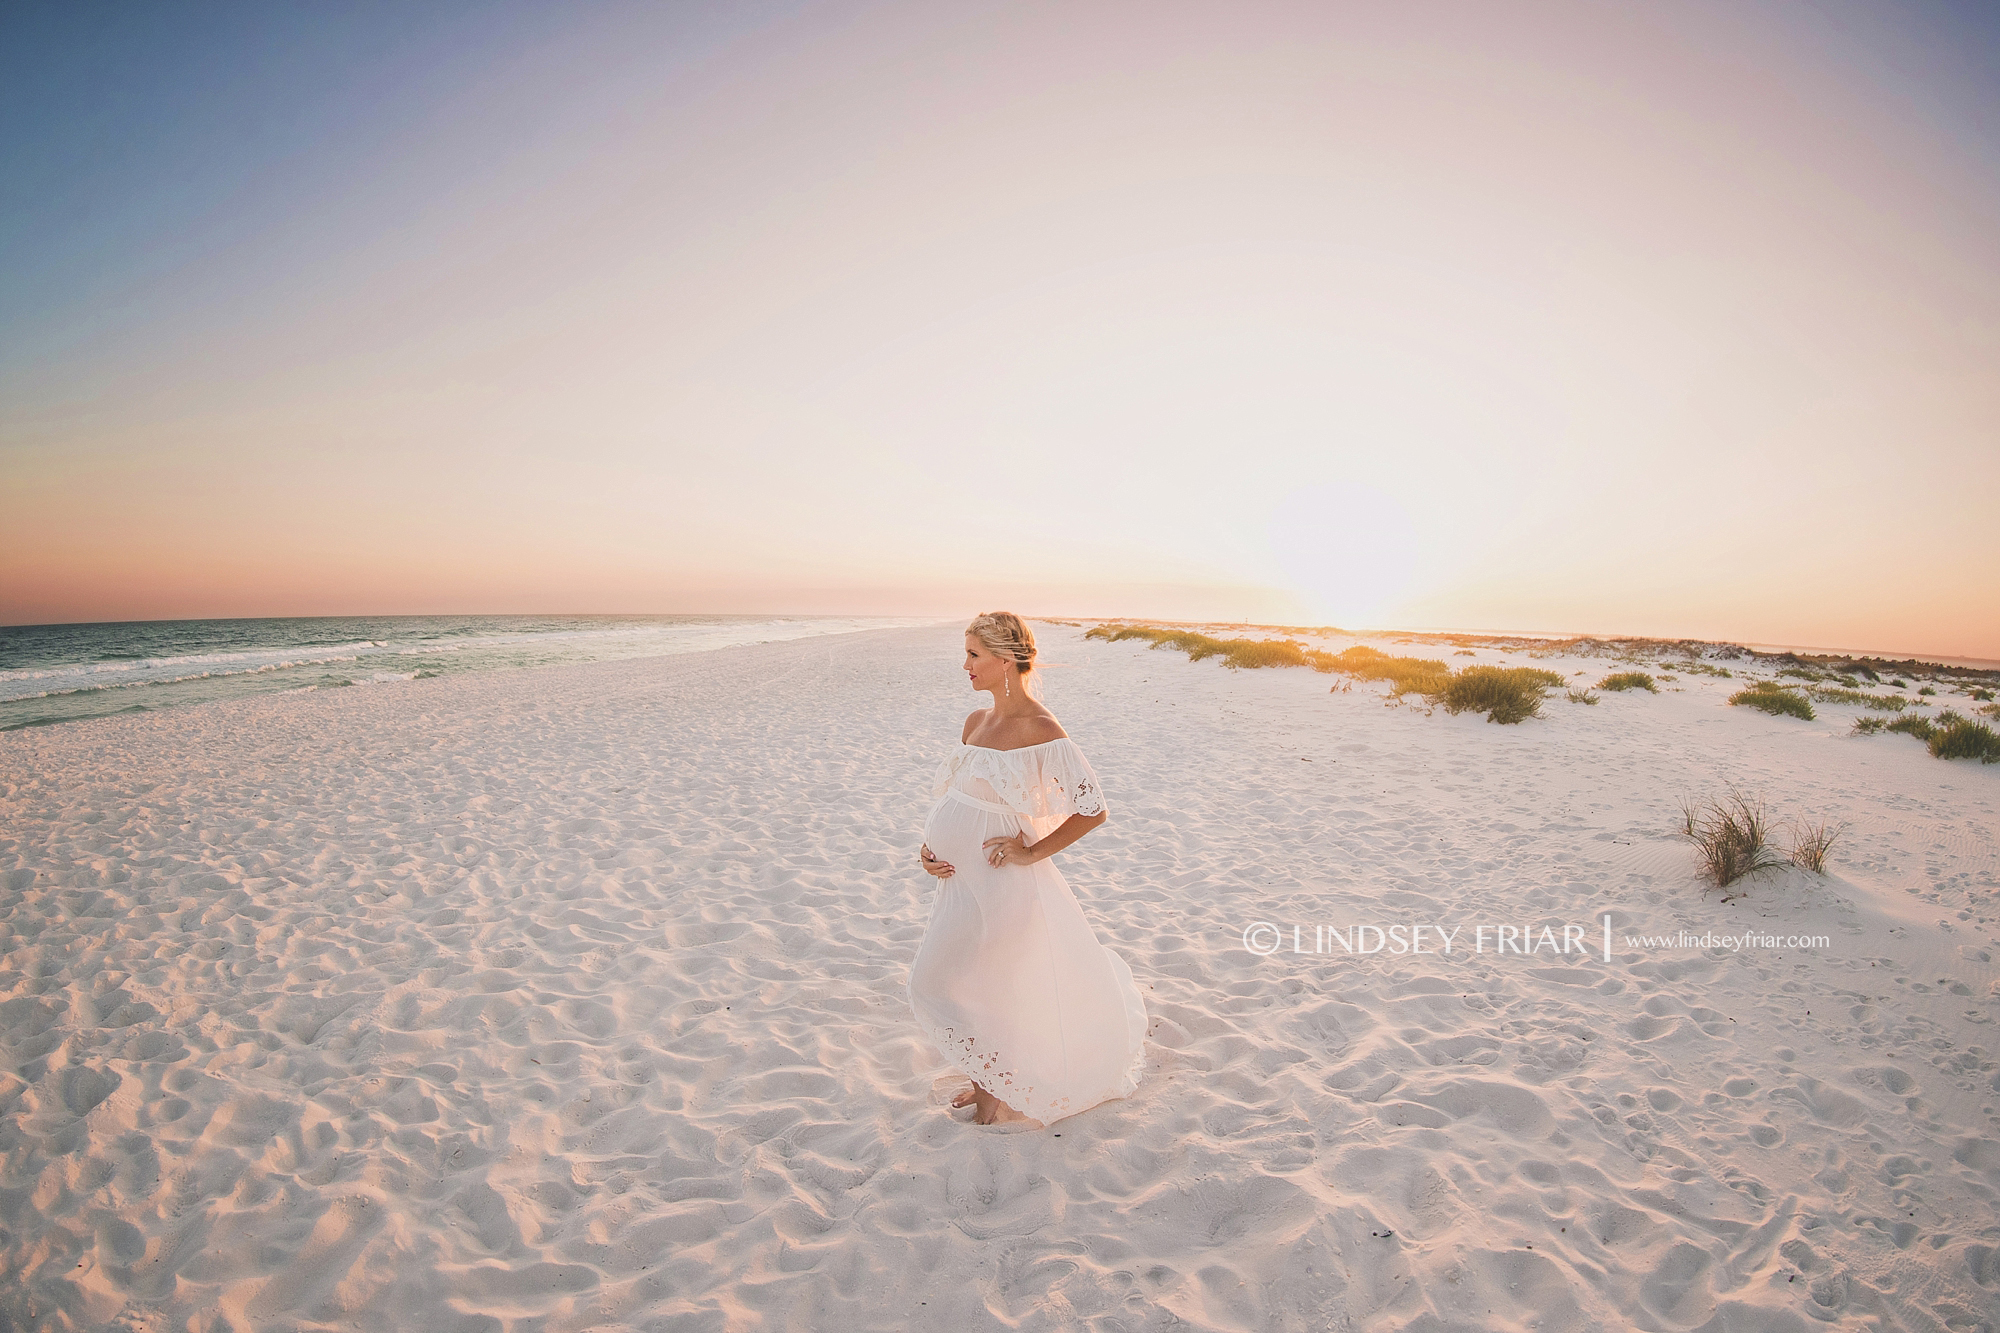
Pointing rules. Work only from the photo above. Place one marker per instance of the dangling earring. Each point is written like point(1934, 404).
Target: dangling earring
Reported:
point(1010, 687)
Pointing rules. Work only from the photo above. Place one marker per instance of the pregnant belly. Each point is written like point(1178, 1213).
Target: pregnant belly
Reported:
point(957, 831)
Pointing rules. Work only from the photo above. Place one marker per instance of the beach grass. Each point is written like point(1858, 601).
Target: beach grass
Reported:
point(1811, 841)
point(1628, 680)
point(1235, 653)
point(1406, 675)
point(1947, 736)
point(1731, 837)
point(1774, 699)
point(1582, 697)
point(1828, 694)
point(1504, 694)
point(1955, 737)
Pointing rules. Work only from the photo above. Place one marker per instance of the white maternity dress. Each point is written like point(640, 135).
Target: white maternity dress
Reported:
point(1010, 982)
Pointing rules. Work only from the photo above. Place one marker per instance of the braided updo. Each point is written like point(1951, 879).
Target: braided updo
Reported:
point(1007, 635)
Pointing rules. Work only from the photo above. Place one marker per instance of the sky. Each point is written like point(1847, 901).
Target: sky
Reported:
point(1677, 319)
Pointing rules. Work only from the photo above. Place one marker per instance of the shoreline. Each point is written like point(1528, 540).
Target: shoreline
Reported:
point(55, 674)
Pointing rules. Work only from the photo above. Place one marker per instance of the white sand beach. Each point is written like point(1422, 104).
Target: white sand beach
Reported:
point(573, 998)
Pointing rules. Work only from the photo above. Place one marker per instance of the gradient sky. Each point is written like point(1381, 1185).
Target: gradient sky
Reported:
point(1673, 319)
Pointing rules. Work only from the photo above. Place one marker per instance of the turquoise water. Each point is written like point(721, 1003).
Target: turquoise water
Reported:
point(60, 673)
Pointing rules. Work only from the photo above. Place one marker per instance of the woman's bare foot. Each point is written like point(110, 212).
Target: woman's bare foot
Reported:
point(987, 1109)
point(1003, 1114)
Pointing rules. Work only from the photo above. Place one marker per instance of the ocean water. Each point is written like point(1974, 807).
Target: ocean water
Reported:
point(61, 673)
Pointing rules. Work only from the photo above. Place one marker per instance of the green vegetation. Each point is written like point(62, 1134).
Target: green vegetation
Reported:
point(1827, 694)
point(1955, 737)
point(1774, 699)
point(1730, 837)
point(1927, 690)
point(1406, 675)
point(1582, 697)
point(1629, 680)
point(1702, 669)
point(1234, 653)
point(1981, 694)
point(1811, 841)
point(1803, 673)
point(1947, 736)
point(1504, 694)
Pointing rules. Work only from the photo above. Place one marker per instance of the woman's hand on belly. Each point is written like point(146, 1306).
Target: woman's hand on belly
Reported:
point(933, 866)
point(1009, 851)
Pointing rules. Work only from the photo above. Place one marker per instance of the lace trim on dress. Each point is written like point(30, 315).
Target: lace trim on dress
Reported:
point(1039, 781)
point(981, 1066)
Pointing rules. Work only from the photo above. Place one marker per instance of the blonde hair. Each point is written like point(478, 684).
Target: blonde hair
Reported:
point(1007, 635)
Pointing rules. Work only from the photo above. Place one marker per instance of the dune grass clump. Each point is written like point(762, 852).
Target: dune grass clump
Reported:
point(1504, 694)
point(1629, 680)
point(1406, 675)
point(1119, 633)
point(1955, 737)
point(1947, 736)
point(1270, 653)
point(1774, 699)
point(1827, 694)
point(1731, 837)
point(1235, 653)
point(1811, 841)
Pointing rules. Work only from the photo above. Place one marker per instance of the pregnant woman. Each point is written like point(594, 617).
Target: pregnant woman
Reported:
point(1010, 981)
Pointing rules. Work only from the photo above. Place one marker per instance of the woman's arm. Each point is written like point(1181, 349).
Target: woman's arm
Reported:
point(1063, 834)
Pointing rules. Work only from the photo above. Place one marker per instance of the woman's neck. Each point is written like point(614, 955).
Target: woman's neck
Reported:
point(1009, 708)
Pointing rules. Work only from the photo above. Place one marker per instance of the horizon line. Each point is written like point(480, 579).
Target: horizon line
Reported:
point(1543, 635)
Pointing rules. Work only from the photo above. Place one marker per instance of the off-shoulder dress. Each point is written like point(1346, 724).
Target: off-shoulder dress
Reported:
point(1010, 982)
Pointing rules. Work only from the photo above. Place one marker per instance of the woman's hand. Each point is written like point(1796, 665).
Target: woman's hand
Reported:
point(1010, 851)
point(941, 869)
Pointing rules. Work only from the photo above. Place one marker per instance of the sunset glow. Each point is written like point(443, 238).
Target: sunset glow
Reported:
point(1677, 320)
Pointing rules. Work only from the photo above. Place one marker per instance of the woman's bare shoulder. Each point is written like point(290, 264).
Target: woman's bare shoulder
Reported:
point(972, 722)
point(1042, 729)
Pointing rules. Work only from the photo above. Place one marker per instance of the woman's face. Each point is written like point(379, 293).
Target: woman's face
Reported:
point(986, 669)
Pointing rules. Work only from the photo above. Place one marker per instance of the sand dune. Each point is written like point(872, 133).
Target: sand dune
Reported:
point(573, 998)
